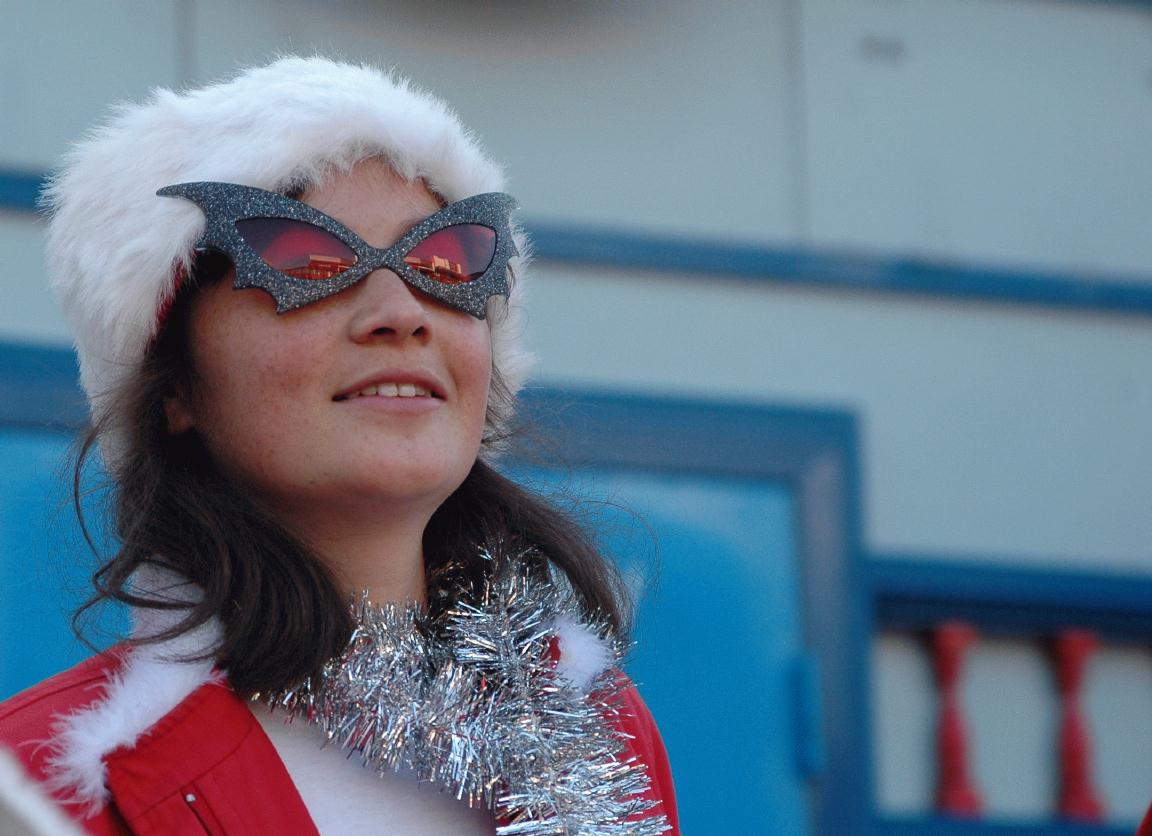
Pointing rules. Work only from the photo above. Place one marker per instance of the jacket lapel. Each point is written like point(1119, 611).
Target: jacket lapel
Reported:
point(207, 766)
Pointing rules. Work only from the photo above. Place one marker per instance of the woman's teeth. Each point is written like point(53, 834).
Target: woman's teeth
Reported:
point(393, 390)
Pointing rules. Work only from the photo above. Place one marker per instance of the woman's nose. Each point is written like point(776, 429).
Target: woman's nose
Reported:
point(387, 308)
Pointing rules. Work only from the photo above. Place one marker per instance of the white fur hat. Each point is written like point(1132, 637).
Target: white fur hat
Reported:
point(114, 247)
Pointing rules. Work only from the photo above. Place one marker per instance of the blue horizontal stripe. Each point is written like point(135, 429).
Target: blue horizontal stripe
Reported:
point(19, 190)
point(826, 268)
point(942, 826)
point(842, 270)
point(39, 387)
point(915, 593)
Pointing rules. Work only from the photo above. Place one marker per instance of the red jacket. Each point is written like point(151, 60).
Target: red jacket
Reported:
point(207, 765)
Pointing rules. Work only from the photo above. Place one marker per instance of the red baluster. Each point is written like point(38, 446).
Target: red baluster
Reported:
point(1078, 798)
point(955, 795)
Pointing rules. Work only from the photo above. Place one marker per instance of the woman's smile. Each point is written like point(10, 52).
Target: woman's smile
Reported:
point(393, 398)
point(394, 384)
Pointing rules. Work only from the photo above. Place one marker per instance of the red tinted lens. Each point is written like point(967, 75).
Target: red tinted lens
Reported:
point(455, 254)
point(299, 249)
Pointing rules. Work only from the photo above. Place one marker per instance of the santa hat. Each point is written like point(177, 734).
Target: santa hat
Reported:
point(114, 248)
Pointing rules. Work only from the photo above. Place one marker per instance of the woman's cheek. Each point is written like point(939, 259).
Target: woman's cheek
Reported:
point(251, 408)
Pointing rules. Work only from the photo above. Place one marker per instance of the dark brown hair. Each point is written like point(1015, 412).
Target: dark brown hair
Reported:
point(281, 611)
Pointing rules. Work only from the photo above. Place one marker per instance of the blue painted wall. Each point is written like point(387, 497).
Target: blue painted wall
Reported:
point(45, 565)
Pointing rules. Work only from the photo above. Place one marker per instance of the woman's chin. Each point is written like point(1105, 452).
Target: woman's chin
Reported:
point(383, 485)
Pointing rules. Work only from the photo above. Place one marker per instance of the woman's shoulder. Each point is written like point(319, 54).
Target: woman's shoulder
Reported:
point(29, 715)
point(643, 742)
point(30, 719)
point(636, 720)
point(583, 656)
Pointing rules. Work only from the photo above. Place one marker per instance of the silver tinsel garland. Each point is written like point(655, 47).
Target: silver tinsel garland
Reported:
point(471, 701)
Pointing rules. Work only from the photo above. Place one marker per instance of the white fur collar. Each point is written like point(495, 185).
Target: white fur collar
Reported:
point(153, 680)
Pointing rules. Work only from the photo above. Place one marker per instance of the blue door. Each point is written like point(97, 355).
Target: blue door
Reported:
point(718, 631)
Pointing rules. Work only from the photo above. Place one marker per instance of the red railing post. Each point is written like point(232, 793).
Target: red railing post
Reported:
point(955, 795)
point(1078, 799)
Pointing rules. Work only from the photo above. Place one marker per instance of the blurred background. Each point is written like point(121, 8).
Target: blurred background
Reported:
point(844, 319)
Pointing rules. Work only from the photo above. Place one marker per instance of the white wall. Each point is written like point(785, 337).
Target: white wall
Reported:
point(62, 63)
point(664, 115)
point(984, 130)
point(1006, 132)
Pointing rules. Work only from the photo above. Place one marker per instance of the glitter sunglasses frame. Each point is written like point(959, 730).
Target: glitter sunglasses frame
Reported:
point(224, 204)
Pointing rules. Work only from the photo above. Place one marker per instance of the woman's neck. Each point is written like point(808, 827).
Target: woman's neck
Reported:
point(376, 552)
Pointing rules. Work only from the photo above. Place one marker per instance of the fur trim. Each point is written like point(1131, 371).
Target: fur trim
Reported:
point(152, 681)
point(584, 655)
point(113, 245)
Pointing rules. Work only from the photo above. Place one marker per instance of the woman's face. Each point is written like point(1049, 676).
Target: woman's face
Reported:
point(371, 399)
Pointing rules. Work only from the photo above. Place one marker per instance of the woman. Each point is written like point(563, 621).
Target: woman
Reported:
point(295, 307)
